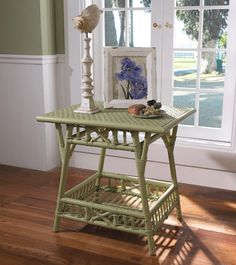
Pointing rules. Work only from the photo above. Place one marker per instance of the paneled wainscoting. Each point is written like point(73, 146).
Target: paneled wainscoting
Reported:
point(30, 85)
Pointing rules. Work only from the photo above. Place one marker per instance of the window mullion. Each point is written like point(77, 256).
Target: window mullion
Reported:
point(199, 53)
point(127, 28)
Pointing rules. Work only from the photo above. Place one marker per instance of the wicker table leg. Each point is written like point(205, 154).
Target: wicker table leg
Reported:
point(169, 140)
point(66, 150)
point(101, 165)
point(141, 159)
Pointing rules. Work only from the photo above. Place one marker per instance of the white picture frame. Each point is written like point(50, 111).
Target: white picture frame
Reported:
point(129, 76)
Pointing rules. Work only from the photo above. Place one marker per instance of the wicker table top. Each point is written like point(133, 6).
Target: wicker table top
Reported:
point(118, 119)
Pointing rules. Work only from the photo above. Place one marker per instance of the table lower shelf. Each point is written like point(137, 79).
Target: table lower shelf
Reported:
point(114, 201)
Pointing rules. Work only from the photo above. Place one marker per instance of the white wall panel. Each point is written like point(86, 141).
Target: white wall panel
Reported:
point(27, 89)
point(157, 169)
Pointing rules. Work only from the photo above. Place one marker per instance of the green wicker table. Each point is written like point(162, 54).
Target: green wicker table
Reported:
point(128, 203)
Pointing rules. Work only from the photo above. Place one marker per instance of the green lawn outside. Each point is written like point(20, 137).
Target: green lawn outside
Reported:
point(184, 63)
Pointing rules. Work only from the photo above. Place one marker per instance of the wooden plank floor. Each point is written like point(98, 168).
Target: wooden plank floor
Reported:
point(27, 203)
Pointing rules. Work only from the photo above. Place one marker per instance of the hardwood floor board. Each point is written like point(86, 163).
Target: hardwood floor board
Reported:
point(30, 209)
point(210, 225)
point(28, 255)
point(10, 193)
point(40, 244)
point(212, 209)
point(219, 250)
point(166, 241)
point(201, 193)
point(103, 241)
point(9, 258)
point(195, 246)
point(207, 235)
point(32, 178)
point(29, 201)
point(26, 216)
point(5, 199)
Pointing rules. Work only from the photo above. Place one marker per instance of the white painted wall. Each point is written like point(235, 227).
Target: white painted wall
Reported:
point(212, 168)
point(27, 89)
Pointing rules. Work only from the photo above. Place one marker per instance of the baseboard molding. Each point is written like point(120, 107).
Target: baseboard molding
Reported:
point(159, 170)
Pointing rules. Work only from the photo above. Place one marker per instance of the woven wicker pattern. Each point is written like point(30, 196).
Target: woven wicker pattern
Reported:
point(117, 119)
point(117, 203)
point(102, 137)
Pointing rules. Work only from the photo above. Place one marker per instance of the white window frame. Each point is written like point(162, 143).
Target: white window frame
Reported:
point(73, 53)
point(225, 133)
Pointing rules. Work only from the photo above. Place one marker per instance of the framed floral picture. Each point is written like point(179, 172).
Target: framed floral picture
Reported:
point(130, 76)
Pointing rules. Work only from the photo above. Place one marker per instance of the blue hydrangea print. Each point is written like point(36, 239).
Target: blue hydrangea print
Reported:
point(136, 84)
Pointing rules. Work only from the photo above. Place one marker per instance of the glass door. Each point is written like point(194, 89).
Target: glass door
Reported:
point(195, 42)
point(195, 64)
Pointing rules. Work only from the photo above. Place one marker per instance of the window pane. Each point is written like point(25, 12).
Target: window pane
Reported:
point(115, 28)
point(186, 29)
point(212, 70)
point(88, 2)
point(184, 99)
point(108, 3)
point(210, 109)
point(215, 28)
point(185, 69)
point(187, 2)
point(140, 3)
point(131, 3)
point(116, 4)
point(139, 29)
point(216, 2)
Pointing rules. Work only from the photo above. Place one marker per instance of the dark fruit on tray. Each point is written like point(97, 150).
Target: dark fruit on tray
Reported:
point(151, 102)
point(157, 105)
point(154, 103)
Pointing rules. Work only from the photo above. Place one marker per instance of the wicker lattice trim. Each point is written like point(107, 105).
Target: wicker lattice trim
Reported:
point(117, 203)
